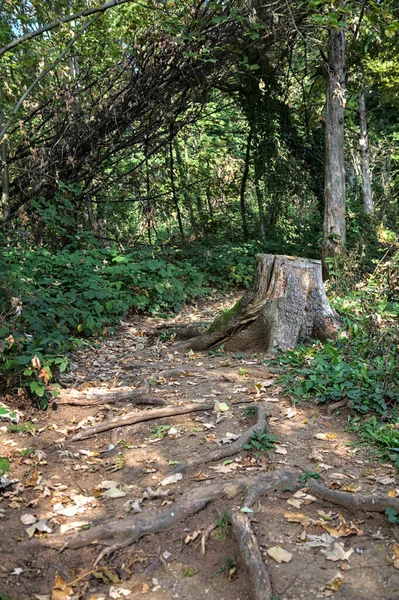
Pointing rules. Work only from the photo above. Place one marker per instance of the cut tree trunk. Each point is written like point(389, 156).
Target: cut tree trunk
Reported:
point(285, 305)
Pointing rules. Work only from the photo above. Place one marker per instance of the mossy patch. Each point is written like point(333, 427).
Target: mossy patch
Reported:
point(221, 321)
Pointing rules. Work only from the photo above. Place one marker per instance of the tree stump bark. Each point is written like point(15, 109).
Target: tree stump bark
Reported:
point(285, 305)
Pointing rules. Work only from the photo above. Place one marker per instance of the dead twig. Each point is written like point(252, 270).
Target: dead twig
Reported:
point(251, 557)
point(228, 449)
point(139, 417)
point(206, 535)
point(354, 501)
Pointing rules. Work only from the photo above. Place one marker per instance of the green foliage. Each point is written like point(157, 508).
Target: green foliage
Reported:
point(393, 516)
point(158, 433)
point(229, 567)
point(4, 465)
point(189, 572)
point(249, 412)
point(167, 334)
point(23, 428)
point(50, 302)
point(335, 371)
point(223, 529)
point(261, 442)
point(27, 452)
point(385, 436)
point(306, 475)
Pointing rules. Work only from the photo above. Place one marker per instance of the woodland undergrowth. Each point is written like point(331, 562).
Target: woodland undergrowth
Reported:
point(51, 303)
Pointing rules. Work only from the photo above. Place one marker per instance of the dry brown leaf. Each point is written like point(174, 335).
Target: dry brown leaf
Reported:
point(335, 485)
point(290, 413)
point(61, 590)
point(225, 468)
point(344, 529)
point(200, 476)
point(279, 554)
point(315, 455)
point(351, 488)
point(337, 552)
point(334, 583)
point(325, 436)
point(298, 518)
point(300, 498)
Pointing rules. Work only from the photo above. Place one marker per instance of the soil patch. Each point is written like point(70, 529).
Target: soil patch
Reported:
point(63, 488)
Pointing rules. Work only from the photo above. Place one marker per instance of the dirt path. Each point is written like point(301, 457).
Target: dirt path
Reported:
point(69, 487)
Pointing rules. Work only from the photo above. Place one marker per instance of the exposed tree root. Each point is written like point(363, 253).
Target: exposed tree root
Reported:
point(354, 501)
point(179, 372)
point(124, 532)
point(251, 557)
point(108, 396)
point(228, 449)
point(337, 405)
point(183, 331)
point(139, 417)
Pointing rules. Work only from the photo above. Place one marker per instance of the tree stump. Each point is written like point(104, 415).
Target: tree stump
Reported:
point(286, 304)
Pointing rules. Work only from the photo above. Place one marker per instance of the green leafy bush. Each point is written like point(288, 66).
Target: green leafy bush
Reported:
point(50, 302)
point(385, 436)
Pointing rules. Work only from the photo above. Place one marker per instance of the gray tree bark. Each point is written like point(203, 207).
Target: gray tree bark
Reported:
point(368, 202)
point(285, 305)
point(334, 183)
point(260, 199)
point(5, 191)
point(244, 185)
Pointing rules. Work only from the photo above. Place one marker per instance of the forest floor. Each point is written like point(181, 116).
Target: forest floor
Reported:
point(63, 488)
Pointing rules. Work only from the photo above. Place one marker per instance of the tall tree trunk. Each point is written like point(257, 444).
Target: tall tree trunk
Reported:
point(5, 191)
point(259, 197)
point(244, 185)
point(210, 207)
point(334, 184)
point(368, 202)
point(186, 195)
point(173, 186)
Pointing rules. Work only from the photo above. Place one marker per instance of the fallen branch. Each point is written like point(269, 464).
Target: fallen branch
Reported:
point(134, 528)
point(228, 449)
point(110, 394)
point(251, 557)
point(139, 417)
point(93, 399)
point(354, 501)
